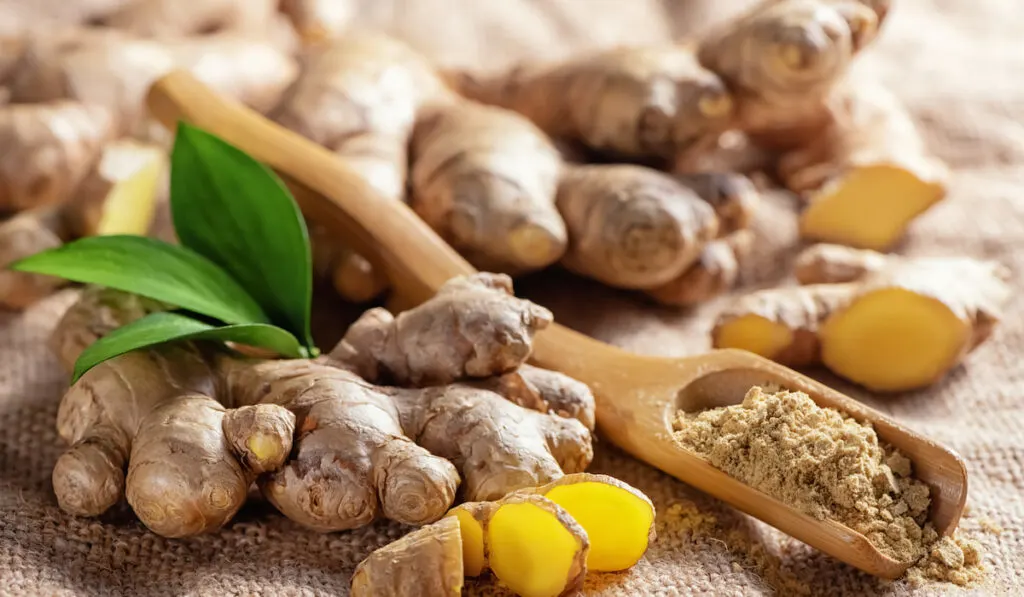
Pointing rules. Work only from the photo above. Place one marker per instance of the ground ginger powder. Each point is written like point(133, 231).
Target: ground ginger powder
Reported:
point(829, 466)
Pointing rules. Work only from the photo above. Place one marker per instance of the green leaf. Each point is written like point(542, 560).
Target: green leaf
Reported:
point(149, 268)
point(158, 328)
point(238, 213)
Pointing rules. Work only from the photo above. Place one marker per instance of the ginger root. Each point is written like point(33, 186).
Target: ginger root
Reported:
point(868, 175)
point(782, 59)
point(631, 226)
point(22, 236)
point(634, 102)
point(424, 563)
point(716, 271)
point(891, 324)
point(195, 425)
point(530, 543)
point(485, 179)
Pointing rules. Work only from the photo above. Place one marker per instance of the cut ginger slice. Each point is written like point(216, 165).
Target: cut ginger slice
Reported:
point(755, 334)
point(425, 563)
point(868, 206)
point(618, 519)
point(893, 339)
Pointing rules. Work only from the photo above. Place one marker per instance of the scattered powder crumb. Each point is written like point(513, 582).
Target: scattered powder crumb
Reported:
point(990, 526)
point(828, 465)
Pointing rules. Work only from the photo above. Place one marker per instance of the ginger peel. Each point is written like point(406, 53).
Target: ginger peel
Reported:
point(424, 563)
point(892, 324)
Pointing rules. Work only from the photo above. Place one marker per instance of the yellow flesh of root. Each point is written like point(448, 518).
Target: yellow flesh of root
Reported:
point(893, 340)
point(868, 207)
point(756, 334)
point(131, 203)
point(617, 522)
point(531, 552)
point(472, 543)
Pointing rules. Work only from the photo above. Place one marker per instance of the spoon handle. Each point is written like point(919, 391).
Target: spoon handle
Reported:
point(386, 232)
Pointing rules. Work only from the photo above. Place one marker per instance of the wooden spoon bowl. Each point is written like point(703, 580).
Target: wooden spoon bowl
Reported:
point(637, 396)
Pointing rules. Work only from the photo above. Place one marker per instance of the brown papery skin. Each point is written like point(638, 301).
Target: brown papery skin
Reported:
point(474, 326)
point(169, 18)
point(715, 273)
point(733, 197)
point(24, 235)
point(485, 179)
point(631, 226)
point(782, 58)
point(545, 391)
point(424, 563)
point(629, 101)
point(826, 263)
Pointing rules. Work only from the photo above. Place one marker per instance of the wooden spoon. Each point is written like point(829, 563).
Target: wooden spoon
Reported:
point(637, 396)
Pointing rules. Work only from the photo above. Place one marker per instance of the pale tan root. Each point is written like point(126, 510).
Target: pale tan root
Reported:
point(630, 101)
point(260, 436)
point(424, 563)
point(781, 324)
point(19, 17)
point(869, 174)
point(618, 518)
point(120, 193)
point(545, 391)
point(715, 273)
point(630, 226)
point(485, 179)
point(47, 148)
point(733, 197)
point(358, 97)
point(319, 21)
point(113, 70)
point(531, 544)
point(172, 18)
point(475, 327)
point(22, 236)
point(907, 325)
point(781, 59)
point(825, 263)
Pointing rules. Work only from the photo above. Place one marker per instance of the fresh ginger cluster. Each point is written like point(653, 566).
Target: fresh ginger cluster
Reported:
point(405, 413)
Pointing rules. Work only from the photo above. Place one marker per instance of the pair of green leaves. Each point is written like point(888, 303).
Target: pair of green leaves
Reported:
point(244, 259)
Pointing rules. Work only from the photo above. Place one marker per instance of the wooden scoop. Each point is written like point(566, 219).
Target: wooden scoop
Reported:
point(637, 396)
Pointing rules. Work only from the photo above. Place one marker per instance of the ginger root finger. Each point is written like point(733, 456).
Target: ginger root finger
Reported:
point(545, 391)
point(868, 176)
point(633, 102)
point(260, 436)
point(319, 21)
point(171, 18)
point(782, 59)
point(529, 542)
point(48, 148)
point(485, 179)
point(825, 263)
point(781, 324)
point(424, 563)
point(353, 277)
point(618, 518)
point(907, 325)
point(630, 226)
point(22, 236)
point(475, 326)
point(715, 273)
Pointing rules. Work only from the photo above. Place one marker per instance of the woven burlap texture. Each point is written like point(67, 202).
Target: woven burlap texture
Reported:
point(956, 63)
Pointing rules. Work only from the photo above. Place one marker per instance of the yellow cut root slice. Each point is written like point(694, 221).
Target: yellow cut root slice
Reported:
point(531, 544)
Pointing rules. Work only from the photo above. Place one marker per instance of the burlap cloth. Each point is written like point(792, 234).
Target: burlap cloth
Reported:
point(957, 63)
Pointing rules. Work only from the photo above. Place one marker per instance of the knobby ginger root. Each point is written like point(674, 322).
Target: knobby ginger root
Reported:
point(361, 451)
point(530, 543)
point(868, 175)
point(782, 59)
point(629, 101)
point(631, 226)
point(22, 236)
point(545, 391)
point(358, 97)
point(48, 148)
point(352, 276)
point(319, 21)
point(618, 518)
point(733, 197)
point(825, 263)
point(170, 18)
point(897, 326)
point(485, 179)
point(424, 563)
